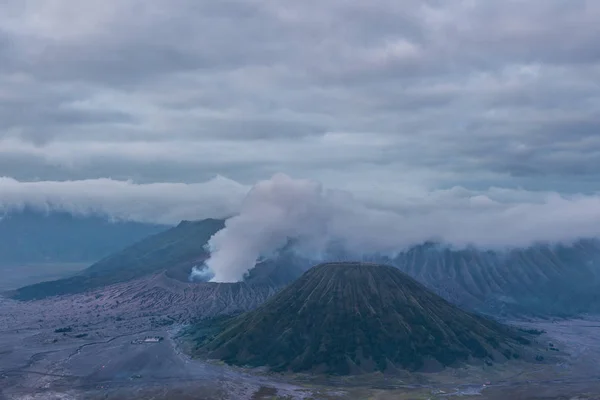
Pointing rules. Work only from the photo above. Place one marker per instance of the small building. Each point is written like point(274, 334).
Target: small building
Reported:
point(148, 339)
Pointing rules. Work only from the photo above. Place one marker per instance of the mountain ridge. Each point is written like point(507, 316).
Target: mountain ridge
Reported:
point(177, 248)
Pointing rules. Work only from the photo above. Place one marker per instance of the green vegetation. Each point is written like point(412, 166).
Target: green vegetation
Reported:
point(206, 330)
point(63, 330)
point(348, 318)
point(180, 246)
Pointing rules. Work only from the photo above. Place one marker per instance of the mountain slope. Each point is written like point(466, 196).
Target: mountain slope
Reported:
point(28, 237)
point(175, 250)
point(342, 318)
point(542, 279)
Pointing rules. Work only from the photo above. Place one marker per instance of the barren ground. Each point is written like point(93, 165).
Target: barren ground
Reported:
point(93, 358)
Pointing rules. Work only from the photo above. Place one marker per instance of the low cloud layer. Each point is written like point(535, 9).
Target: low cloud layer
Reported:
point(166, 203)
point(361, 220)
point(282, 209)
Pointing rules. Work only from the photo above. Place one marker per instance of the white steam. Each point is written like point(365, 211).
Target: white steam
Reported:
point(280, 209)
point(272, 212)
point(201, 274)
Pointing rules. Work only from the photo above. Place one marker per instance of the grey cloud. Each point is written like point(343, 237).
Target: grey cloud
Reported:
point(257, 128)
point(166, 203)
point(138, 42)
point(556, 32)
point(435, 92)
point(13, 113)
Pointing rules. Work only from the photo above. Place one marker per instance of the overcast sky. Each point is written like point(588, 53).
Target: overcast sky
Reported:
point(386, 97)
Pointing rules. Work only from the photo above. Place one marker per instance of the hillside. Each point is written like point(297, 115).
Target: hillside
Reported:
point(344, 318)
point(174, 250)
point(541, 279)
point(31, 237)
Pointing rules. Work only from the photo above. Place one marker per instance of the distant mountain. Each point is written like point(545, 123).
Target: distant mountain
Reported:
point(558, 280)
point(541, 279)
point(29, 236)
point(174, 251)
point(344, 318)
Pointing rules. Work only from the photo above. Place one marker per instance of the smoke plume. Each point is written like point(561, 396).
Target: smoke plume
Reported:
point(281, 209)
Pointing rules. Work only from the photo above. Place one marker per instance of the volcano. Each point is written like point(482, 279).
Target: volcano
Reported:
point(346, 318)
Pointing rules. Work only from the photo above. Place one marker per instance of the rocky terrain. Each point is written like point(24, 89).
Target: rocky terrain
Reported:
point(81, 347)
point(51, 350)
point(157, 296)
point(346, 318)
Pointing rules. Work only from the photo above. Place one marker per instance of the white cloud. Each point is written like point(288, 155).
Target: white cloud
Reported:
point(166, 203)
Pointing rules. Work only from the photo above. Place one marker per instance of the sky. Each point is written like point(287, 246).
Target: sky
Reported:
point(183, 105)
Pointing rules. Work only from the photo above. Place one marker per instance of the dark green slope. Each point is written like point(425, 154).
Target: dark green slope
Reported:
point(345, 318)
point(175, 250)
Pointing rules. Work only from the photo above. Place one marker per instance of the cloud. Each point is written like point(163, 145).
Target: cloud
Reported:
point(444, 92)
point(166, 203)
point(263, 217)
point(281, 209)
